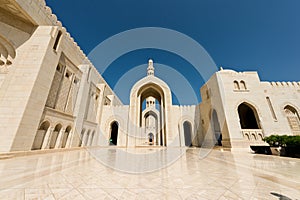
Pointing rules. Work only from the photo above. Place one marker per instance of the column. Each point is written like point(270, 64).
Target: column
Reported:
point(47, 137)
point(60, 138)
point(84, 139)
point(69, 139)
point(90, 139)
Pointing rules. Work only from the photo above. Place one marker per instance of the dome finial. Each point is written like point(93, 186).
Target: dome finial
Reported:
point(150, 69)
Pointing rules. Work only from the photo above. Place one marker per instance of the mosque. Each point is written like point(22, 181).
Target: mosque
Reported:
point(52, 97)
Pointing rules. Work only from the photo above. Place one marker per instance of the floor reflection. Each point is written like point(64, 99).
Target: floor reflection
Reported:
point(153, 173)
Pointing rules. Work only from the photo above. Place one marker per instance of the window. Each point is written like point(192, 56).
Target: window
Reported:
point(76, 80)
point(293, 119)
point(243, 85)
point(271, 108)
point(57, 40)
point(68, 75)
point(236, 85)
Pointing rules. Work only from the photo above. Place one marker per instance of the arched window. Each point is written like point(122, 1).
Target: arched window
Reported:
point(114, 129)
point(293, 119)
point(54, 136)
point(187, 129)
point(40, 136)
point(236, 85)
point(248, 117)
point(253, 136)
point(243, 85)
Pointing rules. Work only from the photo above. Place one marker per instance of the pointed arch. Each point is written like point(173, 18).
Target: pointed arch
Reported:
point(236, 85)
point(292, 116)
point(54, 136)
point(158, 89)
point(114, 131)
point(243, 85)
point(40, 135)
point(248, 116)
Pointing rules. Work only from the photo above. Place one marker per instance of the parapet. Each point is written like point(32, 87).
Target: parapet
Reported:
point(285, 84)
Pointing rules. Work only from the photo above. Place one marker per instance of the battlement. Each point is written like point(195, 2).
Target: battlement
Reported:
point(284, 84)
point(45, 16)
point(186, 107)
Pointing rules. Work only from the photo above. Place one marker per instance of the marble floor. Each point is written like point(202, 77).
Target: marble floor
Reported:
point(80, 174)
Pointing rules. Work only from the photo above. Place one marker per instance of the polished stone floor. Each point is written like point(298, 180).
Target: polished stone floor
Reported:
point(83, 174)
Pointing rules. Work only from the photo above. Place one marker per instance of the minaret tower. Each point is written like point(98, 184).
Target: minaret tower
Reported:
point(150, 69)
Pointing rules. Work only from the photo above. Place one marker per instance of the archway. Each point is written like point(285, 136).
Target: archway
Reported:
point(150, 123)
point(248, 116)
point(114, 127)
point(150, 138)
point(54, 136)
point(40, 136)
point(153, 87)
point(187, 129)
point(153, 113)
point(216, 128)
point(66, 136)
point(293, 119)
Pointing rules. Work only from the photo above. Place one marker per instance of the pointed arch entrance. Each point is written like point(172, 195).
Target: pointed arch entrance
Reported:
point(157, 89)
point(248, 116)
point(114, 129)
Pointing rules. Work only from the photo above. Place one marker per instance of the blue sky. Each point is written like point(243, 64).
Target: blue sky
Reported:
point(256, 35)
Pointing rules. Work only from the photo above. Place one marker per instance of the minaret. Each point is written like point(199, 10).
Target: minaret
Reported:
point(150, 69)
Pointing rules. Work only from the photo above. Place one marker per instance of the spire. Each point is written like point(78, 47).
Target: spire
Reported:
point(150, 69)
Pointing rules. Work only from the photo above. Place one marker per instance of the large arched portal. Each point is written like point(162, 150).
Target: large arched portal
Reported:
point(154, 88)
point(114, 129)
point(248, 117)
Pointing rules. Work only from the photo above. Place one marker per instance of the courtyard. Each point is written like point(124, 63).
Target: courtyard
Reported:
point(77, 174)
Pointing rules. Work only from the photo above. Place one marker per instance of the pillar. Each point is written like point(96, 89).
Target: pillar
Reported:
point(59, 138)
point(47, 137)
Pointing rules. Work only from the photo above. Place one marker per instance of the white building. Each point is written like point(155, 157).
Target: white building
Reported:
point(52, 97)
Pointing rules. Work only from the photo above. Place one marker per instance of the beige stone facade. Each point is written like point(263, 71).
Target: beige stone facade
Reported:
point(51, 96)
